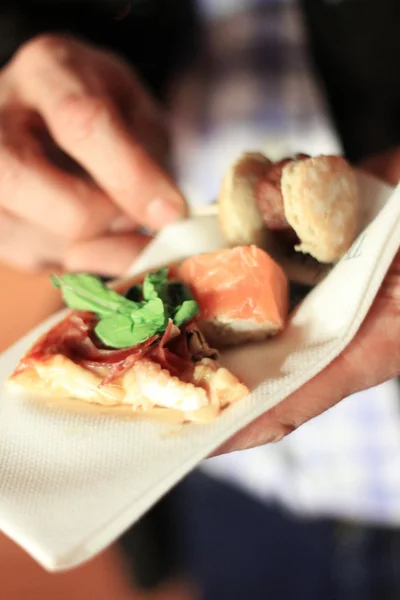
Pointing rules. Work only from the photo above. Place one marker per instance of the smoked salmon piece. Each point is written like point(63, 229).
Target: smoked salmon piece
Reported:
point(241, 291)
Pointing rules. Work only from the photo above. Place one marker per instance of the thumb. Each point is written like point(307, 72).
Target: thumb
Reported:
point(385, 166)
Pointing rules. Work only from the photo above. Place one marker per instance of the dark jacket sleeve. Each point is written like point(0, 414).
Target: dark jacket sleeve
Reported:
point(156, 36)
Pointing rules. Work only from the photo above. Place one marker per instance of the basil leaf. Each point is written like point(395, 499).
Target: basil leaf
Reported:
point(87, 292)
point(123, 331)
point(155, 285)
point(187, 311)
point(115, 331)
point(127, 321)
point(151, 315)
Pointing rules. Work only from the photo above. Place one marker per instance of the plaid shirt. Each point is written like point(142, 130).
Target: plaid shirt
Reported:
point(255, 90)
point(251, 90)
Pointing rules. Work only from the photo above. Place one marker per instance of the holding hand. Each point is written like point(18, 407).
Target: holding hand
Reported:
point(372, 358)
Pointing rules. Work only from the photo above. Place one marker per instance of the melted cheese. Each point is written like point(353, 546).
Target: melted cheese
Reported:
point(144, 386)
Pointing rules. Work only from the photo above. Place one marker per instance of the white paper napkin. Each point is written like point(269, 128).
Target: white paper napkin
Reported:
point(71, 481)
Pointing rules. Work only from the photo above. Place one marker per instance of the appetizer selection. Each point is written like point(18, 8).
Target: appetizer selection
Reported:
point(295, 207)
point(147, 345)
point(154, 343)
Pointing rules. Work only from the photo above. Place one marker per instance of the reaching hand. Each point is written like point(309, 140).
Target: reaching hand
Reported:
point(81, 144)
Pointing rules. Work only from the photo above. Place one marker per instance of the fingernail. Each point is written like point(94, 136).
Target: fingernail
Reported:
point(122, 224)
point(276, 438)
point(162, 212)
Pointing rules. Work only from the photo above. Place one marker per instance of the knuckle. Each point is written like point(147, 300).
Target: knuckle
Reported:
point(12, 255)
point(79, 218)
point(11, 169)
point(12, 251)
point(5, 229)
point(76, 222)
point(78, 115)
point(42, 48)
point(31, 264)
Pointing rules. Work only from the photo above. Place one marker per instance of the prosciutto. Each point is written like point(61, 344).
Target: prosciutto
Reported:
point(75, 338)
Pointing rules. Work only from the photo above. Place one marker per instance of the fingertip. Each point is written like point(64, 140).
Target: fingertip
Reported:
point(122, 224)
point(109, 255)
point(161, 212)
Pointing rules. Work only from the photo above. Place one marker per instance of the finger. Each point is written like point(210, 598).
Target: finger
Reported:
point(34, 189)
point(110, 255)
point(145, 118)
point(377, 337)
point(63, 82)
point(316, 396)
point(385, 166)
point(152, 135)
point(27, 247)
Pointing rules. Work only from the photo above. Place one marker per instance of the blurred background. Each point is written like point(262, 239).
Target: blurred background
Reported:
point(316, 515)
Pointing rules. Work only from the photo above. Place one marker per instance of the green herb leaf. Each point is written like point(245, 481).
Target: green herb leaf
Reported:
point(87, 292)
point(151, 315)
point(123, 331)
point(187, 311)
point(155, 285)
point(127, 321)
point(115, 331)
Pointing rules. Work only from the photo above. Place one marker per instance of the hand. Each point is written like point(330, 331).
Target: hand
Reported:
point(81, 144)
point(370, 359)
